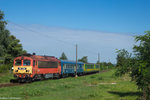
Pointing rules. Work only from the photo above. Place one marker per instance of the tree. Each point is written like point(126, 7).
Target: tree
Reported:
point(63, 56)
point(14, 49)
point(9, 45)
point(4, 34)
point(98, 62)
point(139, 65)
point(84, 59)
point(124, 62)
point(141, 71)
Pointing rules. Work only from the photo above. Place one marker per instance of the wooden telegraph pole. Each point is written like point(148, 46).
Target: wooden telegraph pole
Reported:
point(76, 62)
point(99, 61)
point(98, 58)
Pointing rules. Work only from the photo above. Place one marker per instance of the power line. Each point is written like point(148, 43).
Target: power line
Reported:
point(39, 33)
point(47, 36)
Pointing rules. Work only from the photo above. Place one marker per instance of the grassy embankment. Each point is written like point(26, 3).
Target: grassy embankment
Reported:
point(101, 86)
point(5, 77)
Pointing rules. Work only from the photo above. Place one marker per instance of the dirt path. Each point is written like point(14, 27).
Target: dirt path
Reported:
point(9, 84)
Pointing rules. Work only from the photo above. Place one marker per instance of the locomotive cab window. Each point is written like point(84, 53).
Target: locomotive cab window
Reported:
point(26, 62)
point(18, 62)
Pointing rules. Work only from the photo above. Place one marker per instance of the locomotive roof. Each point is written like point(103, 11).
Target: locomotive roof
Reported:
point(43, 57)
point(38, 57)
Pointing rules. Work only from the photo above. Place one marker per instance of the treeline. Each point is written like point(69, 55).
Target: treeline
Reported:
point(137, 65)
point(106, 65)
point(10, 47)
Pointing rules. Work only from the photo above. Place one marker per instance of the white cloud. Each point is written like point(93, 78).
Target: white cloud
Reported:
point(53, 41)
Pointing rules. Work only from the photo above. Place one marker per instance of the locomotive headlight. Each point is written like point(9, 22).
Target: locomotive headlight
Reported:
point(16, 70)
point(27, 70)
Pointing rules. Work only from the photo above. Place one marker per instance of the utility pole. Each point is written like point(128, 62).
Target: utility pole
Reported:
point(99, 62)
point(98, 58)
point(76, 61)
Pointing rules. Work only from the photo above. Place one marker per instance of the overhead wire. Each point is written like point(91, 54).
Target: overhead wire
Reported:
point(47, 36)
point(39, 33)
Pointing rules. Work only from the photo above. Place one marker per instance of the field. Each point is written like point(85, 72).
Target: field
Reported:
point(100, 86)
point(5, 77)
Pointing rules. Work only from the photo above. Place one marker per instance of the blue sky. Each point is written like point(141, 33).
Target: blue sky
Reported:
point(126, 16)
point(121, 17)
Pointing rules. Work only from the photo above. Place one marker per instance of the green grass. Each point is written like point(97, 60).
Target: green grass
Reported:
point(5, 77)
point(90, 87)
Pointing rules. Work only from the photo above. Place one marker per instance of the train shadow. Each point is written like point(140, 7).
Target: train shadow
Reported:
point(13, 81)
point(124, 94)
point(91, 73)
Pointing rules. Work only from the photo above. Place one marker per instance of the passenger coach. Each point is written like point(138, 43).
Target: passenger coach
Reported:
point(69, 68)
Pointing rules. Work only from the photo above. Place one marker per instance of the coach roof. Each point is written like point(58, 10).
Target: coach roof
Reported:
point(72, 62)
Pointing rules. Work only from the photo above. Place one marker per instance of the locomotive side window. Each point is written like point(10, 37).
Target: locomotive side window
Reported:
point(47, 64)
point(26, 62)
point(54, 64)
point(18, 62)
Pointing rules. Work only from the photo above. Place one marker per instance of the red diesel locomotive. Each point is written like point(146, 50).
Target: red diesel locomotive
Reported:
point(30, 67)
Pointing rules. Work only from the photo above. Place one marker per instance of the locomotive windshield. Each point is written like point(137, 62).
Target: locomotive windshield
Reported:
point(18, 62)
point(26, 62)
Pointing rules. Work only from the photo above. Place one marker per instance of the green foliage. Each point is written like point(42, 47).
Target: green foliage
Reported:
point(124, 62)
point(63, 56)
point(84, 59)
point(141, 71)
point(4, 34)
point(106, 65)
point(4, 68)
point(1, 60)
point(139, 66)
point(9, 45)
point(14, 49)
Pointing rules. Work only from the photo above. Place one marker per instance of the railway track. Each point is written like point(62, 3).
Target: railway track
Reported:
point(9, 84)
point(13, 82)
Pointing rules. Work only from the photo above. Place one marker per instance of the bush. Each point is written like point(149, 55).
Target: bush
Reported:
point(4, 68)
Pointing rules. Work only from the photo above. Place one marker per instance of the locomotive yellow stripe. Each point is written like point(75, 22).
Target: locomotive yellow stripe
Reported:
point(22, 70)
